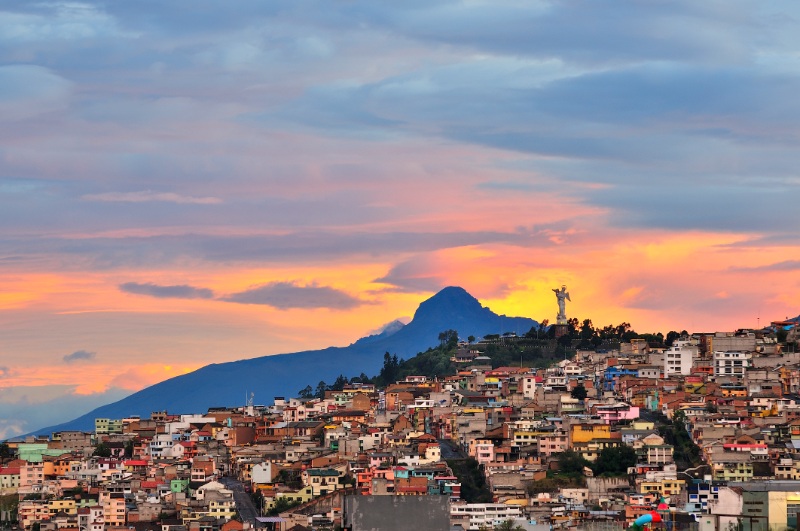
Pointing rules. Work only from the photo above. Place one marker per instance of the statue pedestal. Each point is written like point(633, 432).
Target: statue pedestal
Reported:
point(561, 330)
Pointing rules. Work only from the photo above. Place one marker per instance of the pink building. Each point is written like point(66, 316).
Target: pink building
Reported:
point(615, 413)
point(482, 450)
point(553, 443)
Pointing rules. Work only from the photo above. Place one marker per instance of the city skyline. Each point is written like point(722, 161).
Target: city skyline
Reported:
point(182, 185)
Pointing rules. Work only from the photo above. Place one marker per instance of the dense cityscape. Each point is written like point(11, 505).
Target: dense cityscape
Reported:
point(683, 431)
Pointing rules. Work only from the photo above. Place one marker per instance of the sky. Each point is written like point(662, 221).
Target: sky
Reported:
point(191, 182)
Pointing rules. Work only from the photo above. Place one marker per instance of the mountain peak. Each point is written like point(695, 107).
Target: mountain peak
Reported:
point(392, 328)
point(448, 300)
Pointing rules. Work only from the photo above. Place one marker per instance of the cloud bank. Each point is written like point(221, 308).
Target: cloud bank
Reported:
point(166, 292)
point(80, 355)
point(291, 295)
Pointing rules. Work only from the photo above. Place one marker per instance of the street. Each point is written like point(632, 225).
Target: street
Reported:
point(244, 504)
point(448, 450)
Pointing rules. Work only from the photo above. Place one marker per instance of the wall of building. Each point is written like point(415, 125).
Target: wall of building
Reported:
point(397, 513)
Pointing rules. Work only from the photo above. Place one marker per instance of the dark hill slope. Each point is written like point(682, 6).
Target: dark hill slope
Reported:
point(227, 384)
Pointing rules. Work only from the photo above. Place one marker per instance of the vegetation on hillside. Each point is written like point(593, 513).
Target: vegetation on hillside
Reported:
point(610, 462)
point(473, 483)
point(536, 348)
point(686, 452)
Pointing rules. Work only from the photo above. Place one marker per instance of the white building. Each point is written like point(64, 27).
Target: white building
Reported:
point(474, 516)
point(529, 386)
point(679, 357)
point(731, 363)
point(91, 518)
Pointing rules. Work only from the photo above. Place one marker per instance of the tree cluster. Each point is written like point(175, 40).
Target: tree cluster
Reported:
point(588, 336)
point(686, 452)
point(612, 461)
point(448, 339)
point(102, 450)
point(433, 362)
point(473, 482)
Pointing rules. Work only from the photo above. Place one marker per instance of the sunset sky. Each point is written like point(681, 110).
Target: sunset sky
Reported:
point(184, 182)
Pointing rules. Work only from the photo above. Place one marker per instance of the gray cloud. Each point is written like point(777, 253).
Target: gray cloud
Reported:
point(726, 209)
point(312, 246)
point(80, 355)
point(5, 371)
point(598, 33)
point(288, 295)
point(27, 91)
point(413, 276)
point(638, 95)
point(786, 265)
point(181, 291)
point(147, 196)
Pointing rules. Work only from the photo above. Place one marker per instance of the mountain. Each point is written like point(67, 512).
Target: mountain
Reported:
point(227, 384)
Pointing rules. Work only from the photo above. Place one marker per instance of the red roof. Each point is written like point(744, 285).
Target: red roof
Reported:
point(135, 462)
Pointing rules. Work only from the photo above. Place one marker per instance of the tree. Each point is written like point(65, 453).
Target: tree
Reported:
point(622, 329)
point(572, 327)
point(587, 330)
point(5, 450)
point(321, 388)
point(8, 505)
point(390, 369)
point(306, 392)
point(290, 478)
point(339, 383)
point(129, 446)
point(471, 339)
point(282, 505)
point(687, 454)
point(473, 481)
point(579, 392)
point(614, 461)
point(448, 338)
point(571, 463)
point(672, 335)
point(102, 450)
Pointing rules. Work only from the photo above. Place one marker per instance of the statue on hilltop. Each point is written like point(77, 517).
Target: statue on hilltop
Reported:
point(562, 295)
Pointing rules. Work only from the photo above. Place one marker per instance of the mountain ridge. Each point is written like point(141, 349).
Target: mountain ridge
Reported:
point(285, 374)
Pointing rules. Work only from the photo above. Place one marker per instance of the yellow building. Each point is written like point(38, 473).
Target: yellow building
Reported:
point(114, 511)
point(582, 433)
point(664, 487)
point(67, 506)
point(222, 508)
point(591, 450)
point(299, 496)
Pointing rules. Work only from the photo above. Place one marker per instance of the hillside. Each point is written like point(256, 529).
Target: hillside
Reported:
point(227, 384)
